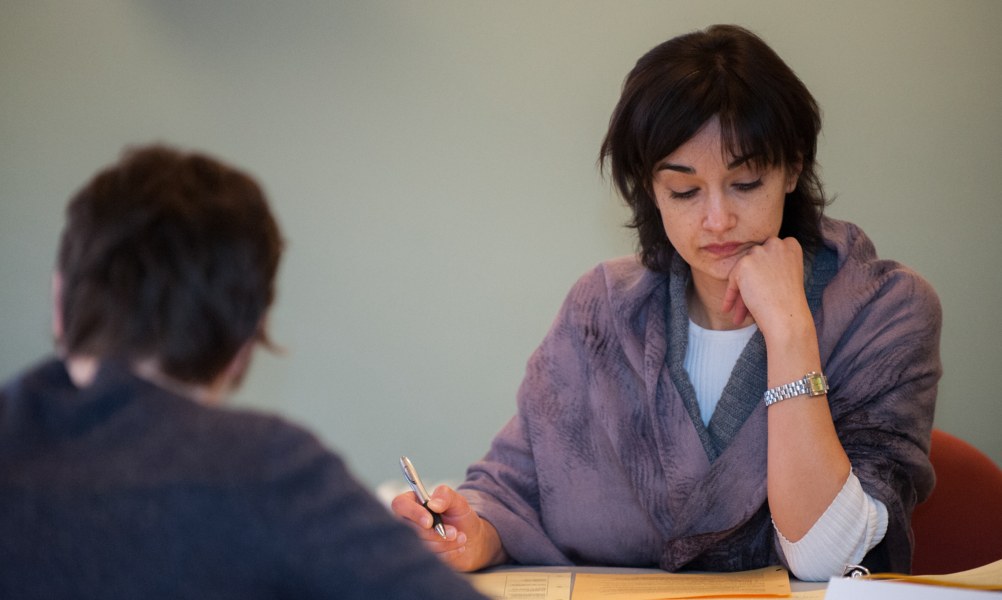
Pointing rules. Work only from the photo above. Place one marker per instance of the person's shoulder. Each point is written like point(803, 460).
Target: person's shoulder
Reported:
point(615, 271)
point(250, 444)
point(271, 430)
point(616, 295)
point(44, 376)
point(856, 249)
point(848, 240)
point(620, 281)
point(861, 271)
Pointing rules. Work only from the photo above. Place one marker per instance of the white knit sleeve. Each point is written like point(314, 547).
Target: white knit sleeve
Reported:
point(849, 528)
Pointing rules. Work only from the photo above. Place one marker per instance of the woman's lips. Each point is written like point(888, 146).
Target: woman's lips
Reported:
point(724, 250)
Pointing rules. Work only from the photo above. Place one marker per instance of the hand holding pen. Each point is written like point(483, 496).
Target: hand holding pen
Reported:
point(468, 542)
point(410, 474)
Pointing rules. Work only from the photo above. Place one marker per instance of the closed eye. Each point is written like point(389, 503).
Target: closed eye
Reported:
point(749, 186)
point(684, 195)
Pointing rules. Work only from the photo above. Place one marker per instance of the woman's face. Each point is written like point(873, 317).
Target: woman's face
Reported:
point(715, 206)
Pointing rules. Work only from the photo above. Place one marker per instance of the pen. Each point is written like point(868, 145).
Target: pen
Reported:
point(410, 474)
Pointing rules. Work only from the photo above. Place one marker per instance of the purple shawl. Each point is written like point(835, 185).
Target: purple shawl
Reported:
point(607, 461)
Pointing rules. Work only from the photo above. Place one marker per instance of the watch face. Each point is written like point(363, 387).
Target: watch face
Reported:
point(817, 383)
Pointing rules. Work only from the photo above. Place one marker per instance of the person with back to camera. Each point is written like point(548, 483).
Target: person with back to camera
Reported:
point(756, 388)
point(120, 476)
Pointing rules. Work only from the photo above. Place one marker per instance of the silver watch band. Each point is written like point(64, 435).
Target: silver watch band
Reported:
point(812, 384)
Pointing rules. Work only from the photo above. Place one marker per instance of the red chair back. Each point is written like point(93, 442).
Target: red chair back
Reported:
point(959, 526)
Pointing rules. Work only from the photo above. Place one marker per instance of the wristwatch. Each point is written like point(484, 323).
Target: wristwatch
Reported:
point(812, 384)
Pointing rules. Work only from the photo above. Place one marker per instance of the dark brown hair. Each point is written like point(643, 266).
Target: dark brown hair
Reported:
point(169, 256)
point(765, 111)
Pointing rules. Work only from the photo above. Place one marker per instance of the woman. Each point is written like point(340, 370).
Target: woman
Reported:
point(758, 388)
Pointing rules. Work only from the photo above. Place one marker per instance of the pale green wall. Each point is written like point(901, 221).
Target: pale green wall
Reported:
point(433, 166)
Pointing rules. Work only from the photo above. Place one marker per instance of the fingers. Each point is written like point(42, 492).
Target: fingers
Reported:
point(740, 311)
point(734, 302)
point(444, 500)
point(457, 549)
point(449, 503)
point(406, 505)
point(767, 284)
point(730, 296)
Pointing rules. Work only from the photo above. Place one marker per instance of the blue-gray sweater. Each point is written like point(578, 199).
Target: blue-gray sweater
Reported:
point(124, 490)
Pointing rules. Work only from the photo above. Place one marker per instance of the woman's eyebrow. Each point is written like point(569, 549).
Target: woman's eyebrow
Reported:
point(739, 161)
point(667, 166)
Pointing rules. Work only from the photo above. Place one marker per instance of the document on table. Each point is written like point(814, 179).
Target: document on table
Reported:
point(523, 585)
point(987, 577)
point(860, 588)
point(527, 585)
point(891, 586)
point(767, 582)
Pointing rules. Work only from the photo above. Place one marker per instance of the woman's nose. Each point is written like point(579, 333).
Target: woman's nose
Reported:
point(719, 215)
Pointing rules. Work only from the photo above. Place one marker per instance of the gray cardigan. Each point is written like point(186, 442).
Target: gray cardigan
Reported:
point(607, 461)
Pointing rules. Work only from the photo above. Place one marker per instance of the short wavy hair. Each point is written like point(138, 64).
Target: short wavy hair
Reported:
point(169, 256)
point(766, 113)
